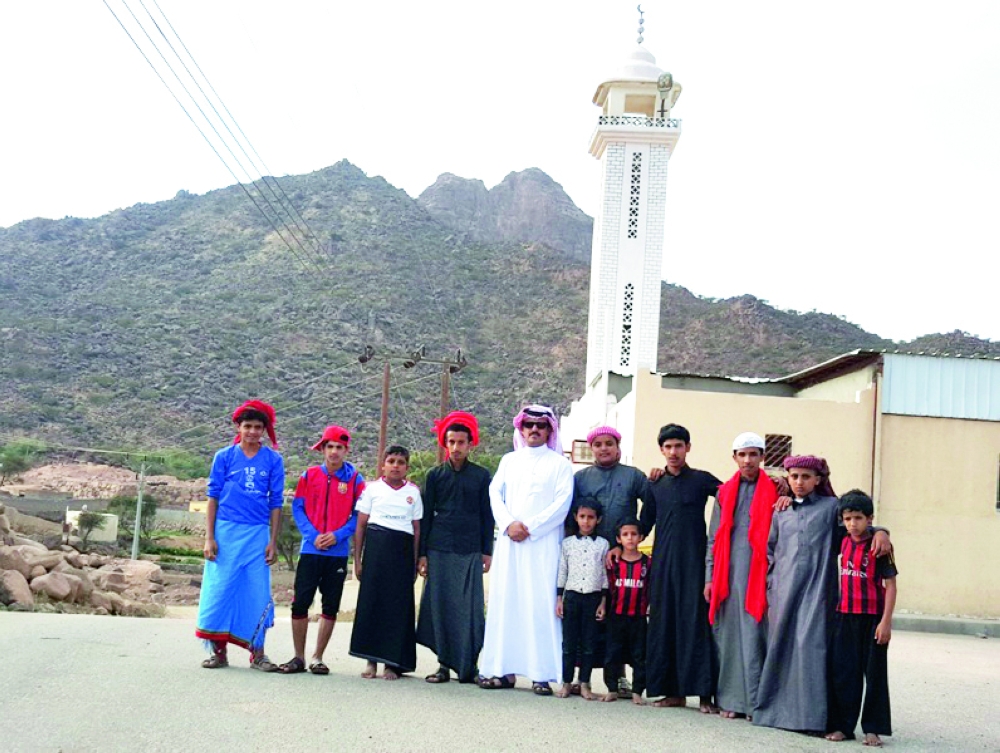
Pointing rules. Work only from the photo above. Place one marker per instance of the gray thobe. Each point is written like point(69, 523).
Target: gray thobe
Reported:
point(802, 595)
point(740, 640)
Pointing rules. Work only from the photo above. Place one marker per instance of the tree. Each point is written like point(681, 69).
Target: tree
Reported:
point(124, 507)
point(17, 457)
point(88, 522)
point(289, 538)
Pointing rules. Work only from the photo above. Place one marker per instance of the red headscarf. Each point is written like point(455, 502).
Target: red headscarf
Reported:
point(816, 464)
point(461, 418)
point(761, 510)
point(260, 407)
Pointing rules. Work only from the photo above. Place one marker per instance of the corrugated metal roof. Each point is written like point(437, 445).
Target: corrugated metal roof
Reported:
point(921, 385)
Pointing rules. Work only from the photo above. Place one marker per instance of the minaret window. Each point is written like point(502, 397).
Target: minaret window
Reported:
point(633, 199)
point(628, 300)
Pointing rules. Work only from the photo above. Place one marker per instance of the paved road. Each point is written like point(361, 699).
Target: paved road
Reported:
point(87, 683)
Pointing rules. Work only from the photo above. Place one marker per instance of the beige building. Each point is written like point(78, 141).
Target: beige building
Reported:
point(920, 433)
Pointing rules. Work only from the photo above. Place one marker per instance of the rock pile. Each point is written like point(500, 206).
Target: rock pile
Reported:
point(32, 575)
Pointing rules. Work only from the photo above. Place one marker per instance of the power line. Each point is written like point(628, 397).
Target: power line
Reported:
point(235, 123)
point(223, 121)
point(324, 375)
point(200, 130)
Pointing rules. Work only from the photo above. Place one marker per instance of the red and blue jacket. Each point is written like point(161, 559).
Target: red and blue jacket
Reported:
point(325, 503)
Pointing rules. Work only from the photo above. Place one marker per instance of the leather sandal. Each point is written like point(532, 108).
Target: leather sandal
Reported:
point(541, 688)
point(215, 661)
point(319, 668)
point(263, 664)
point(292, 667)
point(441, 676)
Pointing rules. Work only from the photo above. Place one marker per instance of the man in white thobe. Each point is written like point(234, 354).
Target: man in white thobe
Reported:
point(530, 496)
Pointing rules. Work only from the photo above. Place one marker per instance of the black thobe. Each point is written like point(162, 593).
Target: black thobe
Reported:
point(679, 651)
point(456, 531)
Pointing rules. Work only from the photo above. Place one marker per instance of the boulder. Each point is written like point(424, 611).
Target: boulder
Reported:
point(117, 603)
point(14, 589)
point(54, 585)
point(36, 571)
point(76, 586)
point(100, 600)
point(86, 585)
point(24, 541)
point(48, 560)
point(13, 559)
point(98, 560)
point(73, 558)
point(110, 580)
point(156, 588)
point(4, 524)
point(137, 572)
point(101, 611)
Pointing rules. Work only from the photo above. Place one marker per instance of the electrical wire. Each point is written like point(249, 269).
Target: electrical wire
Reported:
point(226, 125)
point(204, 135)
point(288, 201)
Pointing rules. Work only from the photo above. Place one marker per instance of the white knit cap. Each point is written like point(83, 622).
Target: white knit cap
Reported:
point(747, 440)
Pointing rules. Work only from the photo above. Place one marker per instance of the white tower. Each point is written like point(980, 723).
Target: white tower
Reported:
point(634, 139)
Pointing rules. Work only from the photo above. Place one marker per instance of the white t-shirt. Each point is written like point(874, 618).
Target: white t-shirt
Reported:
point(392, 508)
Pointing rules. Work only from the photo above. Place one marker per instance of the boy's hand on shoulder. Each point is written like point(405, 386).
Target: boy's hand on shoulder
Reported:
point(611, 558)
point(782, 503)
point(656, 473)
point(883, 633)
point(881, 544)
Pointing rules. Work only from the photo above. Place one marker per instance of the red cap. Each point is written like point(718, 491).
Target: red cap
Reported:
point(460, 418)
point(334, 434)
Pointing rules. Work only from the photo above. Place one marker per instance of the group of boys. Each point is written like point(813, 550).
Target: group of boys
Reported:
point(721, 614)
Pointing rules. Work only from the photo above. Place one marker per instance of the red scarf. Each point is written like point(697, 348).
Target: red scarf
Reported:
point(761, 510)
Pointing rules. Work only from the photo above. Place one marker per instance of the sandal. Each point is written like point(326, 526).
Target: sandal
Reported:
point(263, 664)
point(292, 667)
point(541, 688)
point(215, 661)
point(496, 683)
point(442, 675)
point(319, 668)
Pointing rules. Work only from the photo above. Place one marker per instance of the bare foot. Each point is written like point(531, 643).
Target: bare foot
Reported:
point(564, 690)
point(609, 697)
point(670, 702)
point(371, 669)
point(586, 693)
point(872, 740)
point(390, 674)
point(727, 714)
point(637, 699)
point(706, 706)
point(836, 737)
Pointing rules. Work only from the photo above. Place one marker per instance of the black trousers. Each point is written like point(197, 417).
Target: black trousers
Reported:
point(858, 663)
point(580, 633)
point(626, 644)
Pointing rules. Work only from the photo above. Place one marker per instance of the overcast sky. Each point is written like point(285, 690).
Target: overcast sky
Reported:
point(840, 156)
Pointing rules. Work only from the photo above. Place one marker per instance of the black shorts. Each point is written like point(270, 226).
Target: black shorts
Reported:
point(319, 571)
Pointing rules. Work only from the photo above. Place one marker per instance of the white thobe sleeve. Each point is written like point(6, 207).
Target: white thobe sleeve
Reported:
point(553, 516)
point(498, 493)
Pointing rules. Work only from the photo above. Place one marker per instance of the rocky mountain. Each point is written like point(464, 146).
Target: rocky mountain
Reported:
point(144, 328)
point(525, 207)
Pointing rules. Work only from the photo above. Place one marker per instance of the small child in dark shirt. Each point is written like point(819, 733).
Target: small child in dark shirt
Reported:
point(628, 603)
point(582, 585)
point(861, 630)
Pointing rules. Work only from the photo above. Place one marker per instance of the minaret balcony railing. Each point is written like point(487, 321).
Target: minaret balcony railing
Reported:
point(638, 121)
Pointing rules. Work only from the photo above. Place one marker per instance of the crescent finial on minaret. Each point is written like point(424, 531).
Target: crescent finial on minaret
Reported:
point(642, 26)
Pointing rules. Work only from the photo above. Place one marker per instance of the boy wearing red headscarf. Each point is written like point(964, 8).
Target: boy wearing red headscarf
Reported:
point(456, 548)
point(245, 490)
point(324, 511)
point(802, 550)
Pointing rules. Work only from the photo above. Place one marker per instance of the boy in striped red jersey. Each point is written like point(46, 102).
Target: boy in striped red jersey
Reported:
point(628, 605)
point(861, 630)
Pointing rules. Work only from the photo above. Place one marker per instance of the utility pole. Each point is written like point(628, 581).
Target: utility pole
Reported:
point(138, 511)
point(449, 366)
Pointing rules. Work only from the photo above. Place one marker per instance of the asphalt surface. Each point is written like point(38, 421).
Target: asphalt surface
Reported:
point(89, 683)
